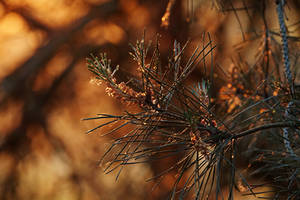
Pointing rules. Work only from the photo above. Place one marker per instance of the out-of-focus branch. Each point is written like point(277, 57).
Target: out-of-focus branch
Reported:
point(12, 84)
point(34, 103)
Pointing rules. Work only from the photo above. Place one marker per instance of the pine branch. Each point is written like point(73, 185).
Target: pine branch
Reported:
point(285, 47)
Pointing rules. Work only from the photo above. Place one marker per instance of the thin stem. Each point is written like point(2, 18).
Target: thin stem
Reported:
point(267, 126)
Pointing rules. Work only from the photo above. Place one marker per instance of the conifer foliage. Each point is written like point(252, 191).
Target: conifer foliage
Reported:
point(253, 119)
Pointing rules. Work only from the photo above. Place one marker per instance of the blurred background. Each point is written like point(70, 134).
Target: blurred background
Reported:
point(46, 89)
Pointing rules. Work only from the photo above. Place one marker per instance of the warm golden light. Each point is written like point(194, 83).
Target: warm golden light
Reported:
point(47, 94)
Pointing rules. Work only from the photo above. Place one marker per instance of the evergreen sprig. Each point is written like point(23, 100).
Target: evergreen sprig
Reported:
point(210, 135)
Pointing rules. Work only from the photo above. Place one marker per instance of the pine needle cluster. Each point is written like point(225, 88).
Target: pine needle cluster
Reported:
point(255, 116)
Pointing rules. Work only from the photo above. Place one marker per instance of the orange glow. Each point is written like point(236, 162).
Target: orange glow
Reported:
point(49, 156)
point(263, 110)
point(138, 16)
point(16, 45)
point(10, 117)
point(99, 33)
point(55, 13)
point(15, 23)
